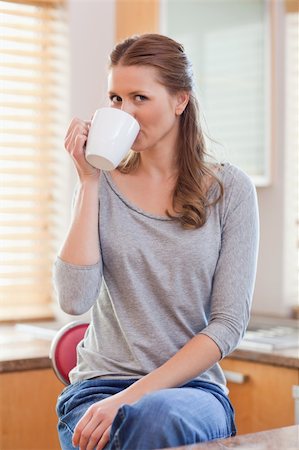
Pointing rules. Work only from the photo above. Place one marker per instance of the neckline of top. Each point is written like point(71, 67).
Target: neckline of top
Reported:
point(141, 211)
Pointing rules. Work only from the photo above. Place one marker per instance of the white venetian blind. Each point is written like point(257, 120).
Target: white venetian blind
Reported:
point(228, 42)
point(33, 113)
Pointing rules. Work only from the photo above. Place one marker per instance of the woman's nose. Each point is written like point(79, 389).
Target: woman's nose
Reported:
point(128, 108)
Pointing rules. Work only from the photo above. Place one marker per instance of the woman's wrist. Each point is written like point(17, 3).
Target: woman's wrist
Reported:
point(131, 394)
point(90, 180)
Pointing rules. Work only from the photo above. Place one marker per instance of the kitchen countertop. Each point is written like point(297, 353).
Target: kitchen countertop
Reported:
point(282, 358)
point(27, 346)
point(286, 438)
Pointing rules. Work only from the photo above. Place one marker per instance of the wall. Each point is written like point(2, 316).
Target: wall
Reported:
point(91, 40)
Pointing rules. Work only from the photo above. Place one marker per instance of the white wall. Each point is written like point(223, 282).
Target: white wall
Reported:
point(91, 41)
point(269, 295)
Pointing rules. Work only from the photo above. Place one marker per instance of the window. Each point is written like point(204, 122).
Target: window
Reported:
point(228, 42)
point(33, 115)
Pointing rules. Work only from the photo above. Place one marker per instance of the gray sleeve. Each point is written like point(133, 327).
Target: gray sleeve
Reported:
point(77, 287)
point(234, 278)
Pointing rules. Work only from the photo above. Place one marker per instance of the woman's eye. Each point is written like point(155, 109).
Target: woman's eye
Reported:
point(140, 98)
point(115, 99)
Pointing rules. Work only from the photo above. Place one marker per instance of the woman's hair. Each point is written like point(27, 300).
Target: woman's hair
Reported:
point(190, 195)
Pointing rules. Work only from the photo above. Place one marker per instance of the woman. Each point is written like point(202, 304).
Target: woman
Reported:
point(163, 249)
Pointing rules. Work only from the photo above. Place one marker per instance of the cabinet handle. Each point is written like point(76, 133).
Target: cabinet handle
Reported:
point(235, 377)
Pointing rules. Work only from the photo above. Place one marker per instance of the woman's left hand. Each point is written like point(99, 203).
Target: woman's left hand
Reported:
point(93, 429)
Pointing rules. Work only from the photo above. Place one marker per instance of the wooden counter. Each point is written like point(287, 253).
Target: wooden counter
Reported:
point(277, 439)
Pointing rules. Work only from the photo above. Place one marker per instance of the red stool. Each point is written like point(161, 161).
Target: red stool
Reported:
point(63, 351)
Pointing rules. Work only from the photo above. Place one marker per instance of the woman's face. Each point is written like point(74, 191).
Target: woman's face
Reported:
point(136, 90)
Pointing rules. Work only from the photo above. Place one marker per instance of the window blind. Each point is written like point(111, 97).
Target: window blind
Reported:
point(228, 43)
point(33, 114)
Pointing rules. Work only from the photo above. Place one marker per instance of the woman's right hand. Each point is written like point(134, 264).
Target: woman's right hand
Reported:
point(75, 141)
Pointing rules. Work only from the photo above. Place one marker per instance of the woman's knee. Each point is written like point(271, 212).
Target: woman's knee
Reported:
point(150, 423)
point(166, 419)
point(154, 409)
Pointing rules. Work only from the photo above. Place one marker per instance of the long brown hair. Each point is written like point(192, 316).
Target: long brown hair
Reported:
point(190, 195)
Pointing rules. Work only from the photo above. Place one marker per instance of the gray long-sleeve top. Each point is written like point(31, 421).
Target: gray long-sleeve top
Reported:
point(157, 285)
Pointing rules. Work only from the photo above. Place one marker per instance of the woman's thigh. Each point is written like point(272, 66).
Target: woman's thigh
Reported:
point(171, 418)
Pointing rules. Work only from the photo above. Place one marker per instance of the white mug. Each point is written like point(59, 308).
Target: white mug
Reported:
point(111, 135)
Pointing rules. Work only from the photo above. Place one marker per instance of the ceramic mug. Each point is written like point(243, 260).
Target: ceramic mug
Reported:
point(111, 135)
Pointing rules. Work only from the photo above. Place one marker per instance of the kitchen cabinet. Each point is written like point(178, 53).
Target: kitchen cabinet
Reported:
point(262, 394)
point(27, 410)
point(126, 11)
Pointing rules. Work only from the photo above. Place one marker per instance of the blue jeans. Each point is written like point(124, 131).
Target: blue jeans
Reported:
point(195, 412)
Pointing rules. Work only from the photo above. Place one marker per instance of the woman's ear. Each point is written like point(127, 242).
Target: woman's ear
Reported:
point(182, 101)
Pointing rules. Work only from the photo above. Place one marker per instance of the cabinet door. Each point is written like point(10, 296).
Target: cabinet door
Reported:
point(136, 17)
point(27, 410)
point(263, 400)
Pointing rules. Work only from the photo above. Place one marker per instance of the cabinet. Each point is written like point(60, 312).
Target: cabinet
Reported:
point(27, 410)
point(126, 12)
point(262, 394)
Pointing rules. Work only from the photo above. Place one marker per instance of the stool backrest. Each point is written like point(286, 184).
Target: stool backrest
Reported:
point(63, 352)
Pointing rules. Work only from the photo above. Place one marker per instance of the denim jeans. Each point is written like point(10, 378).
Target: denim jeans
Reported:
point(196, 412)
